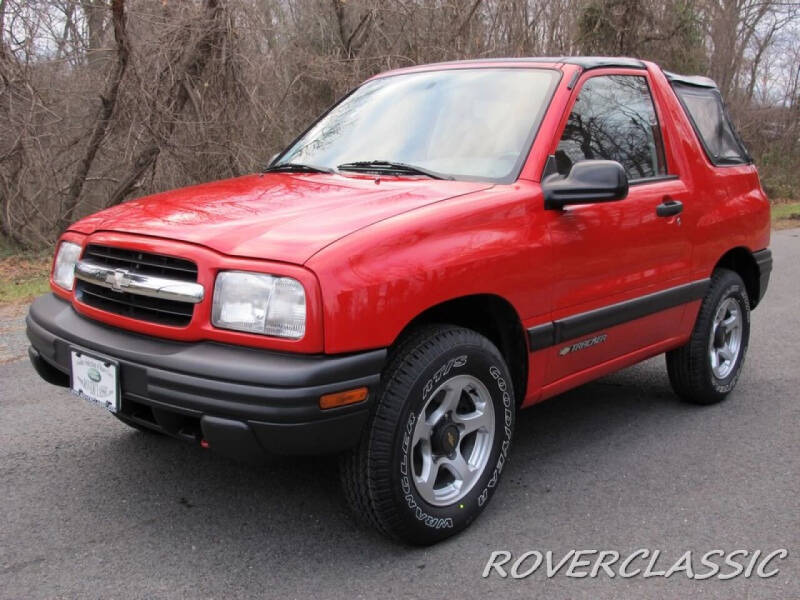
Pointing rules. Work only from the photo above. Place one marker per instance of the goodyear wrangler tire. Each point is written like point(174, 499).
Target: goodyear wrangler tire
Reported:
point(705, 370)
point(440, 433)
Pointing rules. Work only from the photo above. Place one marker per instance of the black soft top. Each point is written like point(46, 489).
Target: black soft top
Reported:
point(693, 80)
point(585, 62)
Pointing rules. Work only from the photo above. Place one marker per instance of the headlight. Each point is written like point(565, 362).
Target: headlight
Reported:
point(64, 268)
point(258, 303)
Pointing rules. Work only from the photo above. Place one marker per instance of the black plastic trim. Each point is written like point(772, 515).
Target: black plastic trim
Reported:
point(549, 334)
point(574, 80)
point(588, 182)
point(261, 391)
point(669, 208)
point(542, 336)
point(210, 360)
point(763, 260)
point(47, 371)
point(654, 179)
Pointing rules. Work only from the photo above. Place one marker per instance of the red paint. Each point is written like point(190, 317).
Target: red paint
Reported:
point(373, 257)
point(282, 217)
point(208, 263)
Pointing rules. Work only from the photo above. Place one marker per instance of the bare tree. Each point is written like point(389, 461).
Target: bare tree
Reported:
point(104, 100)
point(108, 101)
point(209, 33)
point(96, 12)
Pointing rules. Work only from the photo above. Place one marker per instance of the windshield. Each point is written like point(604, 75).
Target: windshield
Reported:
point(460, 123)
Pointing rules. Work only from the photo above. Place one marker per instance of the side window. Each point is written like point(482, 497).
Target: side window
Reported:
point(710, 121)
point(614, 119)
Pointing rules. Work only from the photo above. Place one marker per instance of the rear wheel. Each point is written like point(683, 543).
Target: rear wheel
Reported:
point(706, 369)
point(440, 433)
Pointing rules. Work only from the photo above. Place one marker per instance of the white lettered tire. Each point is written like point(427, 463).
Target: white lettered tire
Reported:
point(439, 436)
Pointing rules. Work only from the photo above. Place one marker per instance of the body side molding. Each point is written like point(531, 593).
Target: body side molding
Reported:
point(549, 334)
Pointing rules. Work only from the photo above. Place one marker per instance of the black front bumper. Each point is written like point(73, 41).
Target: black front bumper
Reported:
point(241, 401)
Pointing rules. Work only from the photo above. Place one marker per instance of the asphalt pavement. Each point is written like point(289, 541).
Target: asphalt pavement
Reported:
point(92, 509)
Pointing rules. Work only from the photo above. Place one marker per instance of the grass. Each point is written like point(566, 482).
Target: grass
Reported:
point(786, 214)
point(23, 276)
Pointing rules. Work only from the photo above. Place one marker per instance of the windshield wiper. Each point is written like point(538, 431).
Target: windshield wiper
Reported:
point(297, 168)
point(387, 166)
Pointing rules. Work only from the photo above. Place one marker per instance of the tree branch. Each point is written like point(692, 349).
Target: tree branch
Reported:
point(190, 67)
point(108, 102)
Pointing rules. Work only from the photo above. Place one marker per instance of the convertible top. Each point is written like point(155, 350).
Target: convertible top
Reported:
point(693, 80)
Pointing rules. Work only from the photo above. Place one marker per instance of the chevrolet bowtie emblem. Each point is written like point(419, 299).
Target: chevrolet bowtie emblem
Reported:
point(118, 279)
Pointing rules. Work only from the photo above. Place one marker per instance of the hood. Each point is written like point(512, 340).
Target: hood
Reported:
point(277, 216)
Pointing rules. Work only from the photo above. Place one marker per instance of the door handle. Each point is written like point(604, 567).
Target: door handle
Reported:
point(669, 208)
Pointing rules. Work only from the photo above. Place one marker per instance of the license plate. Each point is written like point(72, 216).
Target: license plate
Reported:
point(95, 379)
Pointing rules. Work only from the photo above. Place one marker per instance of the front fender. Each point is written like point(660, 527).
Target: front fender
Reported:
point(375, 281)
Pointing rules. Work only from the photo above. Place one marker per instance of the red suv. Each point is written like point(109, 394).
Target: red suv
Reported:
point(446, 245)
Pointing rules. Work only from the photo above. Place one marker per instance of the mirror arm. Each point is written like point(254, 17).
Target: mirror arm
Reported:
point(550, 167)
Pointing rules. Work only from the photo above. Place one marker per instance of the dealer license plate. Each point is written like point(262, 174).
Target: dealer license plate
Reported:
point(95, 379)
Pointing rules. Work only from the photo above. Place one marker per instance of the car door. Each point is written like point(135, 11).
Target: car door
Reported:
point(616, 263)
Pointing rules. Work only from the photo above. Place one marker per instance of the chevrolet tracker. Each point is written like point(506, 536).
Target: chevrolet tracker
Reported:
point(448, 244)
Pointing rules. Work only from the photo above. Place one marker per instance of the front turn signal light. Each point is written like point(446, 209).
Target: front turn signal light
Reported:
point(343, 398)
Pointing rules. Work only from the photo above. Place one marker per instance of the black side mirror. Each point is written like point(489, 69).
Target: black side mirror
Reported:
point(588, 181)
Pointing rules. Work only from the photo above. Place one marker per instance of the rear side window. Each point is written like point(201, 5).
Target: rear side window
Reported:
point(614, 119)
point(712, 124)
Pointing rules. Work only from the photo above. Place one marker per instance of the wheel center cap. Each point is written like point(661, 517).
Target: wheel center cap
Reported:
point(719, 337)
point(446, 438)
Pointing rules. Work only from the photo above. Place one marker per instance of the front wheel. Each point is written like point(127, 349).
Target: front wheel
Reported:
point(433, 453)
point(706, 369)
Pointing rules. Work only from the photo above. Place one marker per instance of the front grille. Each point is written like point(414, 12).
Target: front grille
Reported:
point(136, 306)
point(142, 262)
